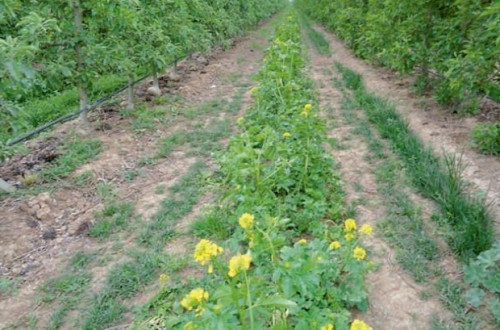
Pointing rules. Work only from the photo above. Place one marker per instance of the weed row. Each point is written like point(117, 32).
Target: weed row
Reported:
point(286, 260)
point(437, 179)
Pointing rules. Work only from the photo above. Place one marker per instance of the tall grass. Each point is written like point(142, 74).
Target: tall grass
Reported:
point(435, 178)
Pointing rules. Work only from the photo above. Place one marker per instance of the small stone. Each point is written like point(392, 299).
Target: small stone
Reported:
point(202, 60)
point(172, 76)
point(17, 271)
point(44, 213)
point(78, 227)
point(154, 91)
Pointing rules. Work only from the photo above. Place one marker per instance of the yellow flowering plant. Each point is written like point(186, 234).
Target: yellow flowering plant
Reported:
point(270, 276)
point(205, 251)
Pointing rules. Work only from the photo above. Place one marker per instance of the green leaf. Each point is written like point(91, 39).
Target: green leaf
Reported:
point(474, 297)
point(275, 301)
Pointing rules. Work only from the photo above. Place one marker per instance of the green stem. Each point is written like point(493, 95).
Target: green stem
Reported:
point(271, 245)
point(249, 301)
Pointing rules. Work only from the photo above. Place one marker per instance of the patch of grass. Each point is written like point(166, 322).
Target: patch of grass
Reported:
point(486, 138)
point(236, 103)
point(8, 286)
point(212, 225)
point(84, 179)
point(123, 281)
point(149, 118)
point(131, 174)
point(105, 309)
point(437, 179)
point(160, 189)
point(105, 191)
point(317, 38)
point(67, 284)
point(80, 260)
point(452, 296)
point(203, 140)
point(75, 153)
point(184, 195)
point(115, 216)
point(403, 227)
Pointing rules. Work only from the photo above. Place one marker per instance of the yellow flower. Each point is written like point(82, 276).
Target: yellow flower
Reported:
point(366, 229)
point(205, 250)
point(350, 225)
point(163, 278)
point(359, 253)
point(240, 120)
point(238, 264)
point(307, 109)
point(349, 236)
point(302, 241)
point(251, 238)
point(254, 90)
point(246, 220)
point(327, 327)
point(360, 325)
point(238, 187)
point(319, 258)
point(286, 135)
point(194, 299)
point(334, 245)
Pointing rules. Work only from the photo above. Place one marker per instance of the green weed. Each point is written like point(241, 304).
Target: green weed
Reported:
point(317, 38)
point(80, 260)
point(8, 286)
point(114, 216)
point(486, 138)
point(184, 196)
point(75, 153)
point(68, 284)
point(437, 179)
point(123, 281)
point(213, 225)
point(203, 140)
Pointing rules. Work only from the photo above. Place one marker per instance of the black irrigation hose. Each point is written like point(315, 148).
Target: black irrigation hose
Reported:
point(73, 115)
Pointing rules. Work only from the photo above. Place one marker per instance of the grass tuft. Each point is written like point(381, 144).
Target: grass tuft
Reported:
point(75, 153)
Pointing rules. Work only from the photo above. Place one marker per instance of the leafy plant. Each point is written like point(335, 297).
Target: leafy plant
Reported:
point(486, 138)
point(279, 187)
point(483, 275)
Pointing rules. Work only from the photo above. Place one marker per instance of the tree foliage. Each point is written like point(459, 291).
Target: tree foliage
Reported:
point(458, 40)
point(43, 51)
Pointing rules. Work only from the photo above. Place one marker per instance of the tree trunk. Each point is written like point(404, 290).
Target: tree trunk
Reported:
point(83, 105)
point(80, 66)
point(156, 82)
point(130, 90)
point(6, 187)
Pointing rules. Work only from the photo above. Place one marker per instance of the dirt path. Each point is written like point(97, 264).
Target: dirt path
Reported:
point(395, 301)
point(444, 131)
point(30, 259)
